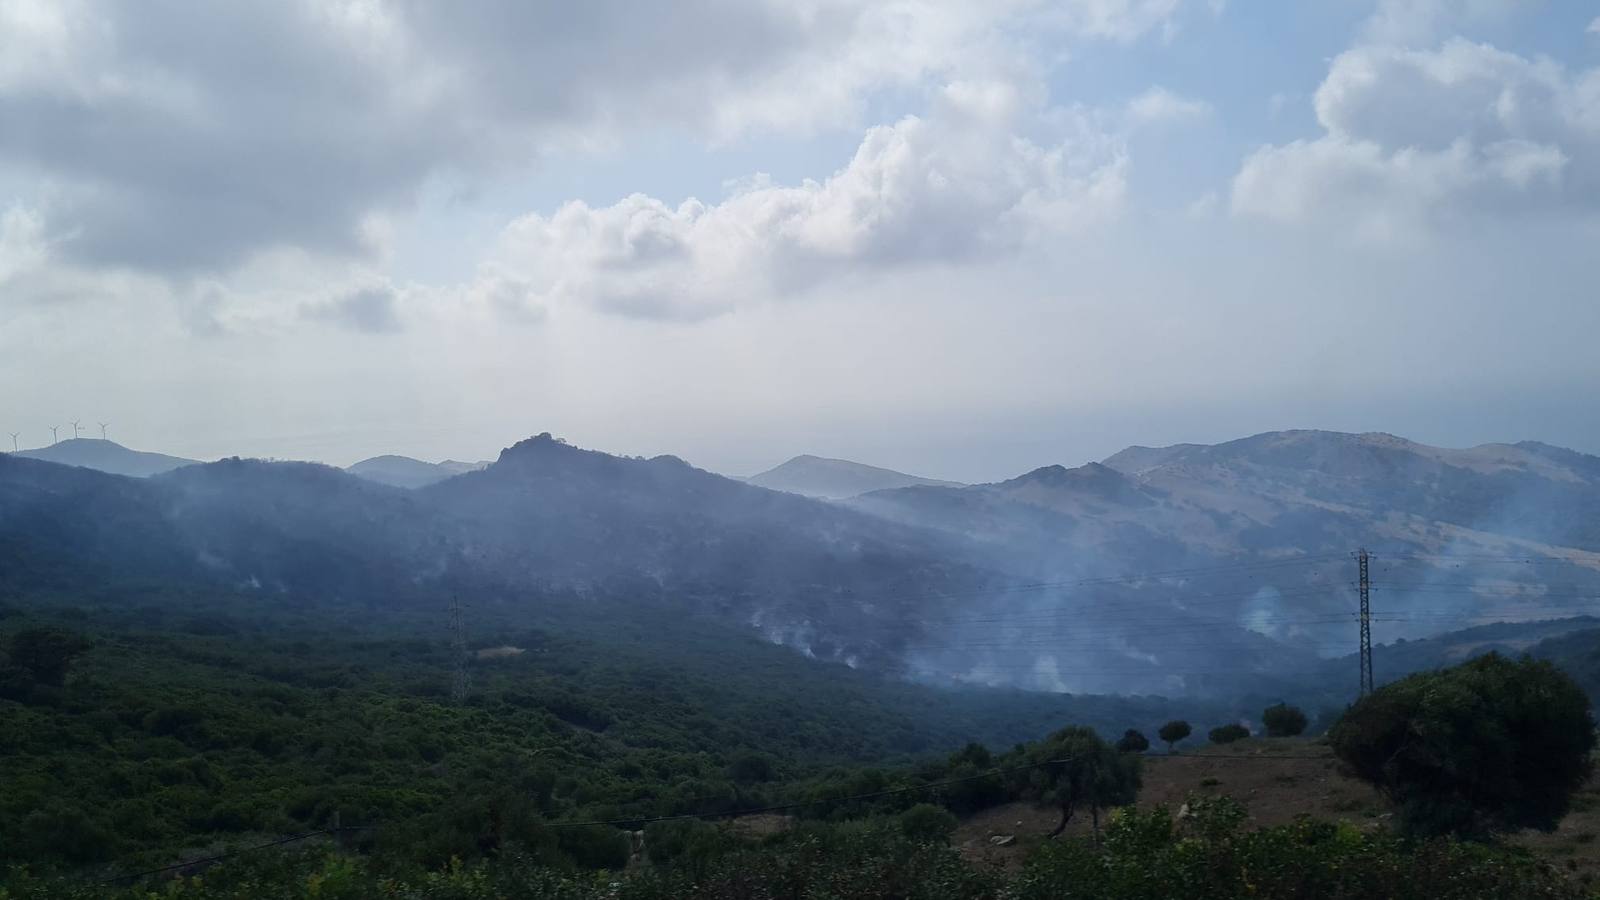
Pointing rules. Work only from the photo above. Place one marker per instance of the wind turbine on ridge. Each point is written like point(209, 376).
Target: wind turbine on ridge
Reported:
point(103, 430)
point(74, 429)
point(14, 447)
point(54, 438)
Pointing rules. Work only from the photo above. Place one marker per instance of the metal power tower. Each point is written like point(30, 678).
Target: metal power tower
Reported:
point(458, 642)
point(1365, 586)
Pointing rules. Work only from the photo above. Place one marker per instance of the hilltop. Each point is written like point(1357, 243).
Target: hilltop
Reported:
point(836, 479)
point(107, 456)
point(406, 472)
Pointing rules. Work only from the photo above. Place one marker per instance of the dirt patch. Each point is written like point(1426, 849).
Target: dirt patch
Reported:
point(761, 825)
point(500, 652)
point(1277, 782)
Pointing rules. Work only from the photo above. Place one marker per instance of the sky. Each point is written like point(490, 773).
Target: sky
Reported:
point(961, 239)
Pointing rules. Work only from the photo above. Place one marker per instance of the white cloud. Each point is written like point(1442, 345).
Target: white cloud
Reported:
point(185, 139)
point(1159, 106)
point(1424, 22)
point(1594, 27)
point(1414, 136)
point(963, 183)
point(21, 243)
point(1122, 20)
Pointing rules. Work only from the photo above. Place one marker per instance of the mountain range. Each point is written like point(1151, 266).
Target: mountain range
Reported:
point(112, 457)
point(1180, 570)
point(836, 479)
point(405, 472)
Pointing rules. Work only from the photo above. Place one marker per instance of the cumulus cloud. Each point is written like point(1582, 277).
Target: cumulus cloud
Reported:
point(184, 138)
point(1412, 137)
point(1160, 106)
point(960, 184)
point(1423, 22)
point(21, 243)
point(370, 310)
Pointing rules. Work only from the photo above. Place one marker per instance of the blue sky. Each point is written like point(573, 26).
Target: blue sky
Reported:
point(963, 239)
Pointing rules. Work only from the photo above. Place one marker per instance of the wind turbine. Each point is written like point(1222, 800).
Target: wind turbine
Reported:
point(74, 429)
point(53, 438)
point(14, 447)
point(103, 430)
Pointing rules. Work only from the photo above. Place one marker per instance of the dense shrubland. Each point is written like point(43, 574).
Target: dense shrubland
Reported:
point(133, 735)
point(1206, 855)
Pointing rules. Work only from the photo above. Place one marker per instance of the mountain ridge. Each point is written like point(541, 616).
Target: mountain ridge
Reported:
point(1052, 580)
point(836, 479)
point(407, 472)
point(107, 456)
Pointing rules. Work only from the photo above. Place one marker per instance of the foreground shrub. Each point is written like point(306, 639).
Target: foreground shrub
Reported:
point(1227, 734)
point(1283, 720)
point(1207, 855)
point(1133, 741)
point(1487, 746)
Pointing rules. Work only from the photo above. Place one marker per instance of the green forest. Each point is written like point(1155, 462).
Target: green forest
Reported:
point(182, 727)
point(174, 727)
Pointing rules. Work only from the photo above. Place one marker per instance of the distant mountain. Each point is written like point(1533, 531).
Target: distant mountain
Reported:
point(1189, 570)
point(831, 582)
point(405, 472)
point(1258, 534)
point(836, 479)
point(107, 456)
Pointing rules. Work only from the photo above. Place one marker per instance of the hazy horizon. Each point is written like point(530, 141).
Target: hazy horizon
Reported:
point(491, 455)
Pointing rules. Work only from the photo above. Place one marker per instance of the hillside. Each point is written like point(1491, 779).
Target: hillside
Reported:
point(835, 479)
point(830, 582)
point(194, 719)
point(1184, 571)
point(1260, 532)
point(107, 456)
point(800, 572)
point(405, 472)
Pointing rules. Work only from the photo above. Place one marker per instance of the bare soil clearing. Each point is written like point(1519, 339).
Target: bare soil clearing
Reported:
point(1277, 780)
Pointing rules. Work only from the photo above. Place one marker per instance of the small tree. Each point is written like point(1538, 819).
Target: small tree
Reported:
point(928, 823)
point(1173, 732)
point(46, 654)
point(1074, 768)
point(1283, 720)
point(1133, 741)
point(1487, 746)
point(1227, 734)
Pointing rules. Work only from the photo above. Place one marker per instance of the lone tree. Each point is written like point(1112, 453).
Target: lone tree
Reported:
point(1074, 769)
point(1173, 732)
point(1133, 741)
point(1227, 734)
point(1283, 720)
point(1491, 745)
point(46, 654)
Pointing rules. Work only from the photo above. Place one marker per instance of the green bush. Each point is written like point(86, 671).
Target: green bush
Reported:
point(1283, 720)
point(926, 822)
point(1174, 732)
point(1487, 746)
point(1133, 741)
point(1227, 734)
